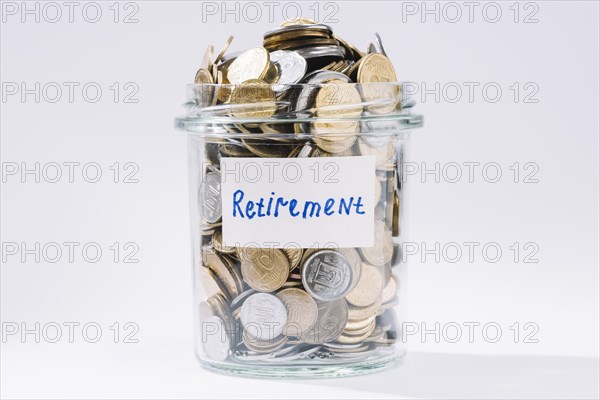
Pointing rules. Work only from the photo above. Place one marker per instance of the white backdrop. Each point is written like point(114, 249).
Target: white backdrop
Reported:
point(509, 92)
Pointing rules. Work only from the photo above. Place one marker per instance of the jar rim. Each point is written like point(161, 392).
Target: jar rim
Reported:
point(376, 108)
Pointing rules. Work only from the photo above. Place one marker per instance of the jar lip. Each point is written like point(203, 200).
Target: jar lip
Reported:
point(376, 108)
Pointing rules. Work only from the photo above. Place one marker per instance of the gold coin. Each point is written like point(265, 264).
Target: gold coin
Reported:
point(302, 311)
point(374, 69)
point(357, 325)
point(389, 291)
point(338, 101)
point(337, 98)
point(217, 242)
point(298, 21)
point(368, 288)
point(361, 313)
point(297, 34)
point(234, 270)
point(253, 98)
point(263, 346)
point(251, 64)
point(223, 50)
point(221, 271)
point(266, 270)
point(203, 76)
point(355, 262)
point(294, 256)
point(396, 216)
point(383, 250)
point(345, 338)
point(334, 146)
point(206, 60)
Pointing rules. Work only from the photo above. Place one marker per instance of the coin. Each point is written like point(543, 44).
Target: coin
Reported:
point(223, 50)
point(203, 76)
point(298, 21)
point(263, 346)
point(251, 64)
point(265, 269)
point(252, 99)
point(355, 53)
point(389, 291)
point(337, 99)
point(206, 60)
point(327, 275)
point(302, 311)
point(217, 241)
point(379, 44)
point(294, 256)
point(373, 70)
point(327, 51)
point(215, 342)
point(221, 271)
point(355, 262)
point(368, 288)
point(396, 216)
point(291, 66)
point(209, 197)
point(359, 337)
point(209, 282)
point(331, 320)
point(264, 316)
point(383, 249)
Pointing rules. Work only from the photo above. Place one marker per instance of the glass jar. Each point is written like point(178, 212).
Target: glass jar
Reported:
point(297, 223)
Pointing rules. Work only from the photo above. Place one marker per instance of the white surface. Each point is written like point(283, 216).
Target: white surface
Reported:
point(159, 54)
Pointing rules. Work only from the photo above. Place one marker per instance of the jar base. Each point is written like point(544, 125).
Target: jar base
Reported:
point(305, 371)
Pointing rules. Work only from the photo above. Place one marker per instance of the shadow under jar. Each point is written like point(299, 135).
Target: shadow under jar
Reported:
point(298, 208)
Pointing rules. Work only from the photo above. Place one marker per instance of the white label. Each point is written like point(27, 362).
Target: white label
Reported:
point(298, 202)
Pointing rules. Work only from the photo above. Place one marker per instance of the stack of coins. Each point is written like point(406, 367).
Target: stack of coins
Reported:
point(304, 93)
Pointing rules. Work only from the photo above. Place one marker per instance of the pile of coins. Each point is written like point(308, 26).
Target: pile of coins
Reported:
point(305, 93)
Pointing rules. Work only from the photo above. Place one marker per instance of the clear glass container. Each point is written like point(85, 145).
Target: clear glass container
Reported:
point(295, 297)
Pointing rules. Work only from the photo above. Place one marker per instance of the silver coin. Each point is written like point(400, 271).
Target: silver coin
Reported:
point(238, 300)
point(263, 316)
point(294, 28)
point(214, 338)
point(332, 51)
point(306, 150)
point(379, 44)
point(331, 320)
point(291, 66)
point(327, 275)
point(209, 197)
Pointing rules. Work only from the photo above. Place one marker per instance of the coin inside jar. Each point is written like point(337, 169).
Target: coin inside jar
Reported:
point(263, 316)
point(302, 311)
point(265, 270)
point(327, 275)
point(252, 98)
point(374, 70)
point(251, 64)
point(331, 320)
point(368, 288)
point(383, 250)
point(209, 197)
